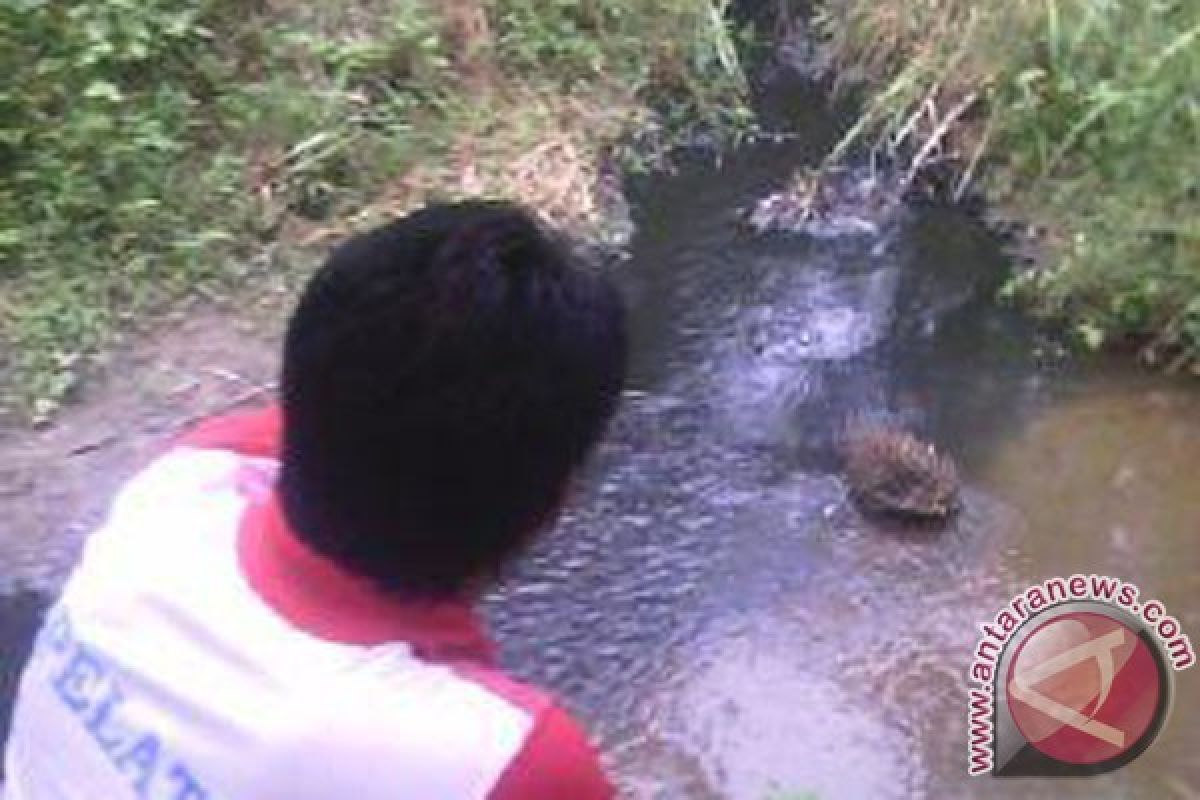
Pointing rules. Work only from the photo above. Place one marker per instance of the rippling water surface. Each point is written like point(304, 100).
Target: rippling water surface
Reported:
point(714, 607)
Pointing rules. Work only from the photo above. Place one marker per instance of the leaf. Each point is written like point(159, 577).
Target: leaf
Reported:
point(1093, 335)
point(178, 25)
point(137, 51)
point(103, 90)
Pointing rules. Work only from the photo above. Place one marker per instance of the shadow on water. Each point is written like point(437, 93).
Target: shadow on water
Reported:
point(712, 604)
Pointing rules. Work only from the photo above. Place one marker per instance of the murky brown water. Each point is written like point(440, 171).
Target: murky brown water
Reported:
point(721, 615)
point(850, 681)
point(713, 606)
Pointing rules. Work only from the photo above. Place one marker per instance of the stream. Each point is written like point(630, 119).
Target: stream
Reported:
point(714, 607)
point(712, 604)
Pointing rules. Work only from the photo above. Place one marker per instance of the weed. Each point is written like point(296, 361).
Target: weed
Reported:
point(1081, 116)
point(155, 148)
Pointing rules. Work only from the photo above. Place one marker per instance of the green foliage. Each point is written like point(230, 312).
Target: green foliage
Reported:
point(150, 147)
point(680, 56)
point(1088, 124)
point(107, 101)
point(648, 45)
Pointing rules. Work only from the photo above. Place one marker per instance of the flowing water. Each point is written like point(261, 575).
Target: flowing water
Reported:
point(717, 610)
point(712, 604)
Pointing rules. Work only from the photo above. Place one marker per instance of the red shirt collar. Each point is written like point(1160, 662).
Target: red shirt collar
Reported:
point(317, 596)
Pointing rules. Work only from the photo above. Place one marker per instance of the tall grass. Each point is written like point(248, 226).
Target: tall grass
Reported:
point(155, 148)
point(1078, 117)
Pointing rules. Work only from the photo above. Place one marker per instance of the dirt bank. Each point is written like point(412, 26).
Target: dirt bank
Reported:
point(55, 482)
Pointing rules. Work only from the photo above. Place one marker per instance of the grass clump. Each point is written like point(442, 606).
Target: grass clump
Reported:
point(1079, 117)
point(156, 148)
point(103, 104)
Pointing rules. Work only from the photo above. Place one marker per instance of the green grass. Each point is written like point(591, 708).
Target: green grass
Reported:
point(153, 149)
point(1079, 117)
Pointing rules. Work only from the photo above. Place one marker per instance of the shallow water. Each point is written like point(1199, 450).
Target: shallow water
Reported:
point(719, 613)
point(712, 605)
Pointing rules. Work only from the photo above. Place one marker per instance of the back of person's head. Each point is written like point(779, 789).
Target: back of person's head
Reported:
point(443, 377)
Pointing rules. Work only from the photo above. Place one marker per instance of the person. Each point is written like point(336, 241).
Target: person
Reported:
point(279, 607)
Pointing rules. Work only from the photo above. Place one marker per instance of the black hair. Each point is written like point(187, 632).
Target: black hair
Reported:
point(443, 377)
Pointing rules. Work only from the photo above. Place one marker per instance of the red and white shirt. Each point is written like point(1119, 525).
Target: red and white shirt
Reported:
point(200, 651)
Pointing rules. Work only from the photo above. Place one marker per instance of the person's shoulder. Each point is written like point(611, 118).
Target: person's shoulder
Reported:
point(254, 432)
point(193, 485)
point(557, 758)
